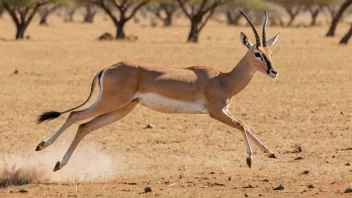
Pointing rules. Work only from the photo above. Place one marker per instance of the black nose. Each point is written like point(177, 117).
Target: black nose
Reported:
point(274, 72)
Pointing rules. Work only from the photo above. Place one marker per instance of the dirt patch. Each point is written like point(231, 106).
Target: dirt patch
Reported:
point(88, 164)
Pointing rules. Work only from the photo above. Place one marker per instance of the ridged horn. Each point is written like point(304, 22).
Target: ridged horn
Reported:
point(265, 42)
point(257, 38)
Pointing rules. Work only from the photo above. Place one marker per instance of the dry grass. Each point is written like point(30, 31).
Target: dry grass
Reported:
point(308, 105)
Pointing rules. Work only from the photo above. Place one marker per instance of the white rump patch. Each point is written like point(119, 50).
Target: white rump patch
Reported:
point(166, 105)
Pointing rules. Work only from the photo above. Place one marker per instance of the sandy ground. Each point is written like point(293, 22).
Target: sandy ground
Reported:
point(183, 155)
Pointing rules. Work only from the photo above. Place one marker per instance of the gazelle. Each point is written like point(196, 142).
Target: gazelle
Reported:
point(193, 90)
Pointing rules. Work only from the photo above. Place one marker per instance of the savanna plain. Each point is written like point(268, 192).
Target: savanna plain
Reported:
point(304, 116)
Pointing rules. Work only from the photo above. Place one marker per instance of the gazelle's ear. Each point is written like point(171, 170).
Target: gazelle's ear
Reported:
point(245, 41)
point(273, 40)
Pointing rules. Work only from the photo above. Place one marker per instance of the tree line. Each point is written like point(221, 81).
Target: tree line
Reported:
point(198, 12)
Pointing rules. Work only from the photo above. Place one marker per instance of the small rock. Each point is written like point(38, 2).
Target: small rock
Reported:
point(281, 187)
point(218, 184)
point(260, 195)
point(180, 177)
point(245, 195)
point(298, 158)
point(305, 172)
point(15, 72)
point(265, 180)
point(148, 189)
point(229, 179)
point(149, 126)
point(348, 190)
point(311, 186)
point(212, 173)
point(11, 191)
point(23, 191)
point(249, 186)
point(298, 148)
point(132, 38)
point(106, 36)
point(348, 164)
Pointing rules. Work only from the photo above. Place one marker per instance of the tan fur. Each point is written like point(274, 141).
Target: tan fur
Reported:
point(199, 88)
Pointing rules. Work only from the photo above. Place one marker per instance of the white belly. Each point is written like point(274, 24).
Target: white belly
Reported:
point(166, 105)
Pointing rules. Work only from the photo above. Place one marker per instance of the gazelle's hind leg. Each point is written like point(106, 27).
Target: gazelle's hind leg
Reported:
point(113, 95)
point(72, 118)
point(104, 104)
point(94, 124)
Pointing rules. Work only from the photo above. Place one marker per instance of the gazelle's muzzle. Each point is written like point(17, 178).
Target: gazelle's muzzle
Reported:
point(272, 72)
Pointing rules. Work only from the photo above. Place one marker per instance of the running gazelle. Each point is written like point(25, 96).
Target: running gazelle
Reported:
point(194, 90)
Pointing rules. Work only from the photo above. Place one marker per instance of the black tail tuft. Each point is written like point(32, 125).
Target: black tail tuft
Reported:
point(48, 116)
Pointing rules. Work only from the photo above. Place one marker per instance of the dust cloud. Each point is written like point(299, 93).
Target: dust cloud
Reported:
point(87, 164)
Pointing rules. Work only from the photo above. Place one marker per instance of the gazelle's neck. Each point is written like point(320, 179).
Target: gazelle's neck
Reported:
point(240, 76)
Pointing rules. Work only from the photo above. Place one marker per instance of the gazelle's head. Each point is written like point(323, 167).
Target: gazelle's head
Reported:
point(260, 55)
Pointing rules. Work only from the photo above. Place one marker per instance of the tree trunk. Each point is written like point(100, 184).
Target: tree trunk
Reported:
point(120, 33)
point(1, 12)
point(193, 34)
point(88, 18)
point(232, 20)
point(43, 19)
point(273, 21)
point(314, 12)
point(314, 15)
point(347, 36)
point(337, 18)
point(69, 15)
point(89, 15)
point(20, 30)
point(293, 14)
point(168, 20)
point(292, 18)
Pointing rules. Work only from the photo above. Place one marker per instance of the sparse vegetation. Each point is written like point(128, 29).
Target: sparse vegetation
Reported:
point(164, 10)
point(22, 13)
point(178, 155)
point(45, 11)
point(126, 9)
point(198, 12)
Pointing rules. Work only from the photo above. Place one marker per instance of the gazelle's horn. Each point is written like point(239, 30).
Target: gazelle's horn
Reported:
point(257, 38)
point(265, 42)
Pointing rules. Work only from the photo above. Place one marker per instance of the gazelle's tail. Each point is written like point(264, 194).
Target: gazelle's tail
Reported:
point(50, 115)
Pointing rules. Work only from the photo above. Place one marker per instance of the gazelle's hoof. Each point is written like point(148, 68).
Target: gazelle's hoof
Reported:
point(272, 155)
point(57, 166)
point(39, 147)
point(249, 162)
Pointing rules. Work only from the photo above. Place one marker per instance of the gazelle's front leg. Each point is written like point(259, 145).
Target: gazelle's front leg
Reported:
point(253, 138)
point(219, 113)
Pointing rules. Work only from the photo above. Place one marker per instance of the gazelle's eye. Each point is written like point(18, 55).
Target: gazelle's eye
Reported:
point(257, 55)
